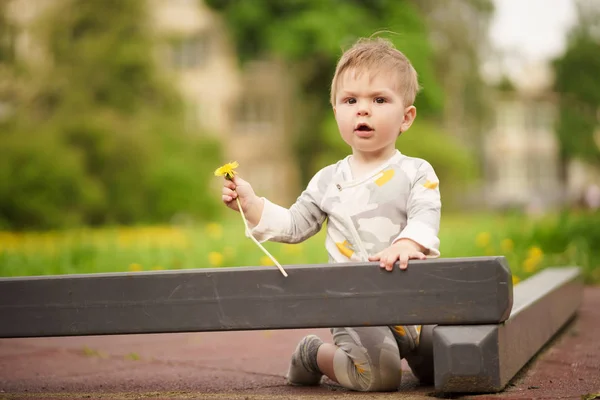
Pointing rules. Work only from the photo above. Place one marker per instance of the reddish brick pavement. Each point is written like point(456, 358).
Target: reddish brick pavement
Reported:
point(251, 365)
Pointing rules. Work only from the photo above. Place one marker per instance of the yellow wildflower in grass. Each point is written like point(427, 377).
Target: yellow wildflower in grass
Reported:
point(515, 279)
point(227, 170)
point(535, 252)
point(214, 230)
point(215, 259)
point(530, 264)
point(264, 260)
point(135, 267)
point(483, 239)
point(507, 245)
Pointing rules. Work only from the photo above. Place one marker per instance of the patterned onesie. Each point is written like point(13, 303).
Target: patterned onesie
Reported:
point(400, 199)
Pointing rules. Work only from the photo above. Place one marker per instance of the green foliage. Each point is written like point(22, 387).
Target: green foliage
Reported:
point(568, 238)
point(36, 189)
point(310, 35)
point(98, 135)
point(577, 82)
point(528, 244)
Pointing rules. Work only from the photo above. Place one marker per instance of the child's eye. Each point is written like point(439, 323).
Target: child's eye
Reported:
point(379, 100)
point(351, 100)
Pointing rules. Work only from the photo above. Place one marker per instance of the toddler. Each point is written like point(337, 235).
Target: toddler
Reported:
point(380, 205)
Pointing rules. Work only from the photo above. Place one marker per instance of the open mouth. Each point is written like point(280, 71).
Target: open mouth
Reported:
point(363, 128)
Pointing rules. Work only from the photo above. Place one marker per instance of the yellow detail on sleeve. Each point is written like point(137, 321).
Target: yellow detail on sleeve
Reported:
point(385, 177)
point(344, 248)
point(431, 185)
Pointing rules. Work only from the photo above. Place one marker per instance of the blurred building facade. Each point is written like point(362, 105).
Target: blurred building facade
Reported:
point(522, 164)
point(247, 108)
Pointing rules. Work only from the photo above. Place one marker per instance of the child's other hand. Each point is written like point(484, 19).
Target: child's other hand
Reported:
point(403, 250)
point(238, 188)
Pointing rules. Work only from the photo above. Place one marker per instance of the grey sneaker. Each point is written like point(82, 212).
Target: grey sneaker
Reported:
point(304, 369)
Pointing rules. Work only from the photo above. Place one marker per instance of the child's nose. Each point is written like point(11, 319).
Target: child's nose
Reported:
point(364, 108)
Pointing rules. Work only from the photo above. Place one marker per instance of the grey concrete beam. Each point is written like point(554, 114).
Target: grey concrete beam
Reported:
point(442, 291)
point(484, 358)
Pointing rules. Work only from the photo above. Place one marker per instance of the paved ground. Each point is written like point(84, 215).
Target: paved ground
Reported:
point(251, 365)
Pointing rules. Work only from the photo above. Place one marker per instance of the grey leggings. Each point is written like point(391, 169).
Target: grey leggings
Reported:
point(368, 358)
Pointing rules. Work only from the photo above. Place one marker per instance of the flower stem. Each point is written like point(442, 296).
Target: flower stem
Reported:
point(257, 242)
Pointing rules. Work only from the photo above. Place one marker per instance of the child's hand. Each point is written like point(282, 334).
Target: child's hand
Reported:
point(403, 250)
point(252, 205)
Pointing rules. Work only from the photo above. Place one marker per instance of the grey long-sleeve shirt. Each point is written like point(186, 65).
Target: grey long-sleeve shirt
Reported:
point(400, 199)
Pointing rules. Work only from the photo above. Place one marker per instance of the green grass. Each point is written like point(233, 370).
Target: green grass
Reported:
point(529, 245)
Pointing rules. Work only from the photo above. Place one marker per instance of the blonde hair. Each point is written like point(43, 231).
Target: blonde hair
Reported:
point(377, 54)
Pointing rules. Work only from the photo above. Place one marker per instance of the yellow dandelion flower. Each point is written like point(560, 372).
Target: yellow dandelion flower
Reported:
point(227, 170)
point(483, 239)
point(507, 245)
point(215, 259)
point(515, 279)
point(135, 267)
point(214, 230)
point(535, 252)
point(531, 264)
point(264, 260)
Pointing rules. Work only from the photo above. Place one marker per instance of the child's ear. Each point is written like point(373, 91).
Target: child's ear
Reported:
point(334, 111)
point(410, 113)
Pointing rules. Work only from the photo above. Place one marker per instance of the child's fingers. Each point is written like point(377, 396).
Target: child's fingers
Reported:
point(387, 261)
point(417, 255)
point(229, 184)
point(403, 264)
point(228, 192)
point(375, 257)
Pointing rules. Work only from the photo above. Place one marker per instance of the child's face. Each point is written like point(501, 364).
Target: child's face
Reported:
point(370, 113)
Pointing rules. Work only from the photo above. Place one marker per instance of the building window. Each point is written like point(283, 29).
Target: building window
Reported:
point(255, 114)
point(539, 119)
point(190, 52)
point(8, 38)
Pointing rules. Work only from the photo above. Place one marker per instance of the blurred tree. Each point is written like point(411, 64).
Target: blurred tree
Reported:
point(98, 135)
point(458, 31)
point(7, 60)
point(576, 80)
point(308, 35)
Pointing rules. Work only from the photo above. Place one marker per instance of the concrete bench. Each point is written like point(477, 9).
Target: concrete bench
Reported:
point(484, 358)
point(443, 291)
